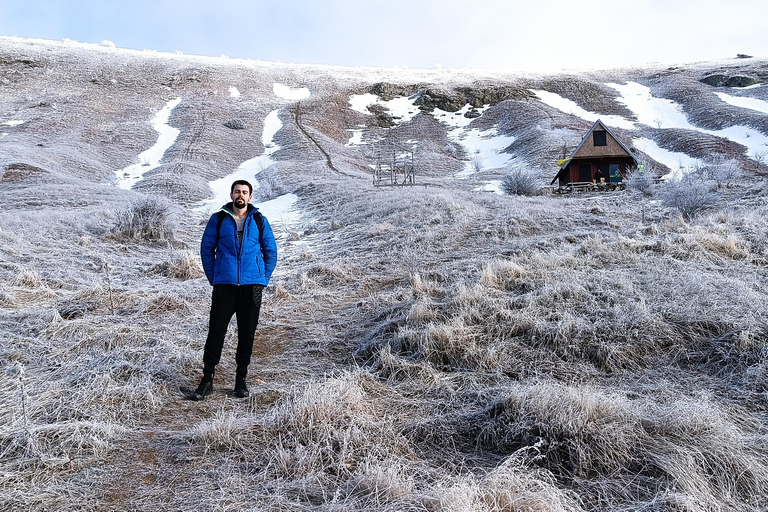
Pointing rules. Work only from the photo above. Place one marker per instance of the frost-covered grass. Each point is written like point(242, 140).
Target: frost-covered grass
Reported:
point(420, 348)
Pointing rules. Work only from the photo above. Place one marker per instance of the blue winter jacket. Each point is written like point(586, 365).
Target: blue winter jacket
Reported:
point(226, 262)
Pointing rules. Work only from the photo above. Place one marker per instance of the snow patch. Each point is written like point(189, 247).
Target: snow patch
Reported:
point(13, 123)
point(571, 107)
point(247, 170)
point(401, 109)
point(679, 163)
point(281, 210)
point(289, 93)
point(663, 113)
point(150, 159)
point(744, 102)
point(650, 111)
point(484, 147)
point(233, 92)
point(356, 137)
point(490, 186)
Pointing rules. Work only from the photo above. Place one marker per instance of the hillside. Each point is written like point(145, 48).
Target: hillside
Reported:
point(436, 347)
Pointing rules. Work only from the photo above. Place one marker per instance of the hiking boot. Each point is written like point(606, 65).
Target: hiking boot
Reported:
point(241, 388)
point(203, 390)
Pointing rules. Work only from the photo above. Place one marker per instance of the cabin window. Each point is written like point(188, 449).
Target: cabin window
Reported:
point(599, 138)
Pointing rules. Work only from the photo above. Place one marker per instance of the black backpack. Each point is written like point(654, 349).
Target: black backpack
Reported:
point(223, 215)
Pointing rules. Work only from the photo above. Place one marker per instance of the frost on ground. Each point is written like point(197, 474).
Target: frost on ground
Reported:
point(420, 348)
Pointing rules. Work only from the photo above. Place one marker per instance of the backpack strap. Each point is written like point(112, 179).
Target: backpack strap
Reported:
point(222, 214)
point(259, 222)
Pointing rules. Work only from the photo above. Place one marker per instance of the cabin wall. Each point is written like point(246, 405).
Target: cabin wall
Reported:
point(612, 148)
point(572, 173)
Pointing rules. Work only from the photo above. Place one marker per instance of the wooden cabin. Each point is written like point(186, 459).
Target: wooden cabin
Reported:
point(600, 154)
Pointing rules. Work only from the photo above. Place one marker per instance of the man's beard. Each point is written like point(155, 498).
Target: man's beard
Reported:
point(240, 203)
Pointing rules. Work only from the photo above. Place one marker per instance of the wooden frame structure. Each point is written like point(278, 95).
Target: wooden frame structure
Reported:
point(394, 165)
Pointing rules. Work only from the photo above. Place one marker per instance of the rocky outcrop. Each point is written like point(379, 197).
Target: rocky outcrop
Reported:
point(383, 118)
point(387, 91)
point(728, 81)
point(430, 98)
point(477, 97)
point(451, 101)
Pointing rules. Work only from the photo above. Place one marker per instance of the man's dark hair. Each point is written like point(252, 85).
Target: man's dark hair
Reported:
point(241, 182)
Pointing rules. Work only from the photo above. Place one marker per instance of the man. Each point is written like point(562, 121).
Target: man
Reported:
point(239, 254)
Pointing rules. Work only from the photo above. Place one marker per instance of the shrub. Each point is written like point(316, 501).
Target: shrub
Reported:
point(643, 182)
point(148, 219)
point(184, 266)
point(689, 196)
point(726, 173)
point(519, 182)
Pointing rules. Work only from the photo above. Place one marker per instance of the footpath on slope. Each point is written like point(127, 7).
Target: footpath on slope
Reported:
point(158, 459)
point(297, 118)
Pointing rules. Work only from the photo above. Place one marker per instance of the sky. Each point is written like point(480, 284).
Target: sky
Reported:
point(530, 35)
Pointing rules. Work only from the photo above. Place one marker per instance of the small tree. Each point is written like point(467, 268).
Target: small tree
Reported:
point(520, 182)
point(760, 158)
point(477, 161)
point(690, 196)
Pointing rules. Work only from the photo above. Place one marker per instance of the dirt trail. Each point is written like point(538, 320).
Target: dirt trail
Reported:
point(157, 460)
point(297, 118)
point(298, 339)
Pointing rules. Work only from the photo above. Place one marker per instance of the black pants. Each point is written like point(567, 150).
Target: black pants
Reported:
point(245, 303)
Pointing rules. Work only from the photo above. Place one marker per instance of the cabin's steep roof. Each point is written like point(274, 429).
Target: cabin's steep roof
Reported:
point(587, 137)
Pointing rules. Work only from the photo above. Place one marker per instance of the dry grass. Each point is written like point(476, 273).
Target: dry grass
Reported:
point(426, 348)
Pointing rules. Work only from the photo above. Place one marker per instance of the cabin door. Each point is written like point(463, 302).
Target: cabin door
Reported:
point(585, 172)
point(605, 169)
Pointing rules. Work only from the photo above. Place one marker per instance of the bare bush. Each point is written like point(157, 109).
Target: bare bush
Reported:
point(726, 173)
point(269, 187)
point(643, 182)
point(521, 182)
point(689, 196)
point(145, 220)
point(184, 265)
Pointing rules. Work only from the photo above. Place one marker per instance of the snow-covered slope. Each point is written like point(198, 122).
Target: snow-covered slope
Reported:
point(146, 120)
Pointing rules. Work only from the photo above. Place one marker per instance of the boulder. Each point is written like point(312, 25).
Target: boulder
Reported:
point(452, 101)
point(714, 80)
point(728, 81)
point(235, 124)
point(431, 99)
point(740, 81)
point(472, 113)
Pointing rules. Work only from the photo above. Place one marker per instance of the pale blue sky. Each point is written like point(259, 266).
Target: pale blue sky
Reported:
point(543, 34)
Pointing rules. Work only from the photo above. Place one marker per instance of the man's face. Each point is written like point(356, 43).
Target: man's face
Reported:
point(240, 196)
